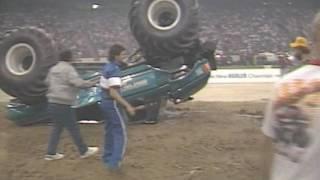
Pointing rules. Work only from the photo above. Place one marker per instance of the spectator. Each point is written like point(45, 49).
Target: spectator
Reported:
point(301, 48)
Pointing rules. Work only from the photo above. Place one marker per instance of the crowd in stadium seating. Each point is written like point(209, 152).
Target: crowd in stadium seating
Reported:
point(249, 31)
point(243, 32)
point(87, 35)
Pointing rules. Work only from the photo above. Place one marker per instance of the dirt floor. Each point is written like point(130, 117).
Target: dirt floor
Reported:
point(213, 138)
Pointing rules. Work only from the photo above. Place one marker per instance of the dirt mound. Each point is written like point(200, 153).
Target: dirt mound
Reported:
point(210, 141)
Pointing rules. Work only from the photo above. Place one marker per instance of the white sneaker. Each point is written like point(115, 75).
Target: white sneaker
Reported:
point(57, 156)
point(91, 151)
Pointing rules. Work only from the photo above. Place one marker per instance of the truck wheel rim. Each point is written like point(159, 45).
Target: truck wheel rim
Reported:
point(20, 59)
point(164, 14)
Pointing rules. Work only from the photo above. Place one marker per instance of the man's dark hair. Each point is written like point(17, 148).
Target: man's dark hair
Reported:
point(115, 50)
point(66, 55)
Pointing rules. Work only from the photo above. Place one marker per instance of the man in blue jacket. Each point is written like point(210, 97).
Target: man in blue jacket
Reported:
point(112, 102)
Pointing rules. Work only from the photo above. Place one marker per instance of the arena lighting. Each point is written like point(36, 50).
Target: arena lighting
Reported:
point(95, 6)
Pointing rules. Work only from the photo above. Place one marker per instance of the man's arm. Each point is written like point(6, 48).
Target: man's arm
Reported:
point(110, 82)
point(267, 158)
point(75, 80)
point(113, 91)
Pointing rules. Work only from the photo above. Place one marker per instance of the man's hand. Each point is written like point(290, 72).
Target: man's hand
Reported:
point(130, 110)
point(113, 91)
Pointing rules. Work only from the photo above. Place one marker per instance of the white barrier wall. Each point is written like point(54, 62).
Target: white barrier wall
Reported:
point(245, 76)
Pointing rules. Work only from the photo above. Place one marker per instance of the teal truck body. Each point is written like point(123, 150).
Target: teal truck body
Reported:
point(142, 85)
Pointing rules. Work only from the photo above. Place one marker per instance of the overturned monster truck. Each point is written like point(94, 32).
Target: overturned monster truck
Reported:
point(171, 65)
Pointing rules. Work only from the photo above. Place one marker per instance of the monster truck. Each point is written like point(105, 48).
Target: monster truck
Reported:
point(171, 64)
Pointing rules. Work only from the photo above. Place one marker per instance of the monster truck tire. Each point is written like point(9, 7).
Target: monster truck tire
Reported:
point(26, 54)
point(160, 36)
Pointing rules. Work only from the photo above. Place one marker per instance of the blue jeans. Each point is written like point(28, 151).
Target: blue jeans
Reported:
point(63, 116)
point(115, 140)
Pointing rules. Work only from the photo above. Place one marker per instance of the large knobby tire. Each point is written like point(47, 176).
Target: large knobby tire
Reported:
point(165, 28)
point(26, 54)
